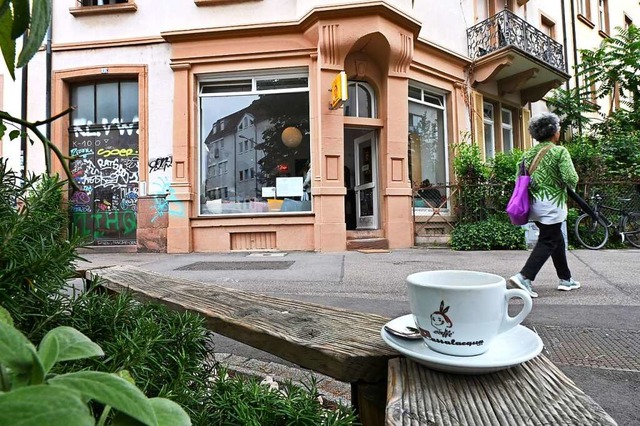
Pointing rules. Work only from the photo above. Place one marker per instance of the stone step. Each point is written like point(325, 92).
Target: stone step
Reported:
point(367, 244)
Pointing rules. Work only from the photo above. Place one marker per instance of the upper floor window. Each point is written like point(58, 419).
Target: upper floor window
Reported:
point(361, 100)
point(603, 16)
point(584, 8)
point(548, 26)
point(99, 7)
point(101, 2)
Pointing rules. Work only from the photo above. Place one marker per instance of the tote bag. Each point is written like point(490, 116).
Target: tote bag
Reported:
point(518, 206)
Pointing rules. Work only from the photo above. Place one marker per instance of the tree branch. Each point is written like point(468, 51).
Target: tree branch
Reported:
point(48, 145)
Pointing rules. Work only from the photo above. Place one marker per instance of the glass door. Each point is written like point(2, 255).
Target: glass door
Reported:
point(366, 164)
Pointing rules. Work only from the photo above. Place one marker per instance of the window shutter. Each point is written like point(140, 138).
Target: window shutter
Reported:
point(524, 126)
point(477, 121)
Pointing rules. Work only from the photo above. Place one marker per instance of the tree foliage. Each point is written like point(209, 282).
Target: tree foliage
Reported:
point(615, 66)
point(19, 18)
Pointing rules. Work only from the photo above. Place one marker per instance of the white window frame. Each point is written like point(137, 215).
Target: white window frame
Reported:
point(428, 95)
point(372, 94)
point(509, 128)
point(492, 125)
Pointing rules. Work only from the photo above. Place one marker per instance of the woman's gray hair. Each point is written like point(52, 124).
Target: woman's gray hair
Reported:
point(543, 126)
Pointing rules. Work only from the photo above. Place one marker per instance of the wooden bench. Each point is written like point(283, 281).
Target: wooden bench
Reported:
point(347, 346)
point(341, 344)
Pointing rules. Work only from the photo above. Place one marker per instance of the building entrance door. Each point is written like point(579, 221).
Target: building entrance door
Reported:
point(366, 178)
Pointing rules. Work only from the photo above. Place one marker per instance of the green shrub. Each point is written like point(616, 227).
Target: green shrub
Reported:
point(244, 400)
point(36, 254)
point(166, 352)
point(31, 394)
point(491, 234)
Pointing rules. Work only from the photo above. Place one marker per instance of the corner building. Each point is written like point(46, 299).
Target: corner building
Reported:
point(207, 126)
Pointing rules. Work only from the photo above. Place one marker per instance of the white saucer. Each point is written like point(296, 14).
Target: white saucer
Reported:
point(507, 350)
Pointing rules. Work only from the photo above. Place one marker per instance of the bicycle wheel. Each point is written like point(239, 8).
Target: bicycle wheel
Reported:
point(590, 233)
point(631, 229)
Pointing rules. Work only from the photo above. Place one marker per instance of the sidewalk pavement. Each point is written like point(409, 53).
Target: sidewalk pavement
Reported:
point(592, 334)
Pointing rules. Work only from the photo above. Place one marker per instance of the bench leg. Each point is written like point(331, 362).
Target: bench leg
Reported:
point(369, 401)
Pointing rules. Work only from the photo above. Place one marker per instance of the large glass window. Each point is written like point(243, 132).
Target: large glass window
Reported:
point(427, 148)
point(255, 150)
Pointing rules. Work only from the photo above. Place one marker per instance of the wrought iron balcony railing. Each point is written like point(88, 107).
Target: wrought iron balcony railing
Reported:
point(507, 29)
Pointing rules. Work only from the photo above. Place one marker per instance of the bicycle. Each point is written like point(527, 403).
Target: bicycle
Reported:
point(594, 234)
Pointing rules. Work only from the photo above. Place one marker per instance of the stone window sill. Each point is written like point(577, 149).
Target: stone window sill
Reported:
point(585, 21)
point(103, 10)
point(216, 2)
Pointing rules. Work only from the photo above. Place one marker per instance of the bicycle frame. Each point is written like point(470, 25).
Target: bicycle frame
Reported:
point(604, 220)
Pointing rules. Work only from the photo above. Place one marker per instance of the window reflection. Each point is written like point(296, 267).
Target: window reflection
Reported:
point(255, 152)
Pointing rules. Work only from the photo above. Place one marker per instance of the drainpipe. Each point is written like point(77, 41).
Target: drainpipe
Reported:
point(564, 40)
point(48, 77)
point(23, 116)
point(575, 57)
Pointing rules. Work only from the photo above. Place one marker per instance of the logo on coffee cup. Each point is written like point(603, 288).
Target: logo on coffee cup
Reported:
point(442, 324)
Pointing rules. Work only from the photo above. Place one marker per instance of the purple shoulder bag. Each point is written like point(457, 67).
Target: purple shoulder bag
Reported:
point(518, 206)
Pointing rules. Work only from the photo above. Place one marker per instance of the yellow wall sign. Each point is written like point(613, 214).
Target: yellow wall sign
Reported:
point(339, 90)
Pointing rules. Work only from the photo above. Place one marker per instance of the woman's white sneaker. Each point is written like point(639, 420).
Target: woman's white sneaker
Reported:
point(568, 285)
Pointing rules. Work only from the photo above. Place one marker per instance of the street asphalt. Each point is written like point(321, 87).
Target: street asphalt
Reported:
point(592, 334)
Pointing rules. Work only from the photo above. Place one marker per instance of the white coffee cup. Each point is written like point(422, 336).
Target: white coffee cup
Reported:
point(461, 312)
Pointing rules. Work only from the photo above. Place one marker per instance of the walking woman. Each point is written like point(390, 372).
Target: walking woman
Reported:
point(554, 172)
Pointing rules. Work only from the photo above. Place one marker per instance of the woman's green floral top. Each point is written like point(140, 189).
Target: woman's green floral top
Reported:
point(548, 183)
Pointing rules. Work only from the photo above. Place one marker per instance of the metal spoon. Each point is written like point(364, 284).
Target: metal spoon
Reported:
point(406, 332)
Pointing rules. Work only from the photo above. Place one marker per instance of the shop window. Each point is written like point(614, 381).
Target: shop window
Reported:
point(361, 100)
point(267, 149)
point(428, 162)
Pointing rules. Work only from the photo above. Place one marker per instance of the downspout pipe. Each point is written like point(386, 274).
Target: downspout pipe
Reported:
point(48, 72)
point(575, 57)
point(23, 116)
point(564, 40)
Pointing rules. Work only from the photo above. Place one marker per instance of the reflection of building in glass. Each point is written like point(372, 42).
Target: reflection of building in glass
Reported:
point(266, 139)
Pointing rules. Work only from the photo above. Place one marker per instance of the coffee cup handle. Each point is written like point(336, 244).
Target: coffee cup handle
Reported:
point(509, 322)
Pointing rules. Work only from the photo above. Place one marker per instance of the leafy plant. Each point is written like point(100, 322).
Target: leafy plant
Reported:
point(36, 253)
point(573, 107)
point(615, 66)
point(31, 395)
point(245, 401)
point(491, 234)
point(30, 20)
point(468, 164)
point(17, 19)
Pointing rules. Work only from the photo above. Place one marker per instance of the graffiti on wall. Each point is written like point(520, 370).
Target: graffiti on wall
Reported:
point(160, 164)
point(106, 170)
point(161, 205)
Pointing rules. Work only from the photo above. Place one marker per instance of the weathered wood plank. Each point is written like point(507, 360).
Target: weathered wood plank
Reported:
point(336, 342)
point(533, 393)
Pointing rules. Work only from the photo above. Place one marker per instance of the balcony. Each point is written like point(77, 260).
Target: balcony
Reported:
point(508, 50)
